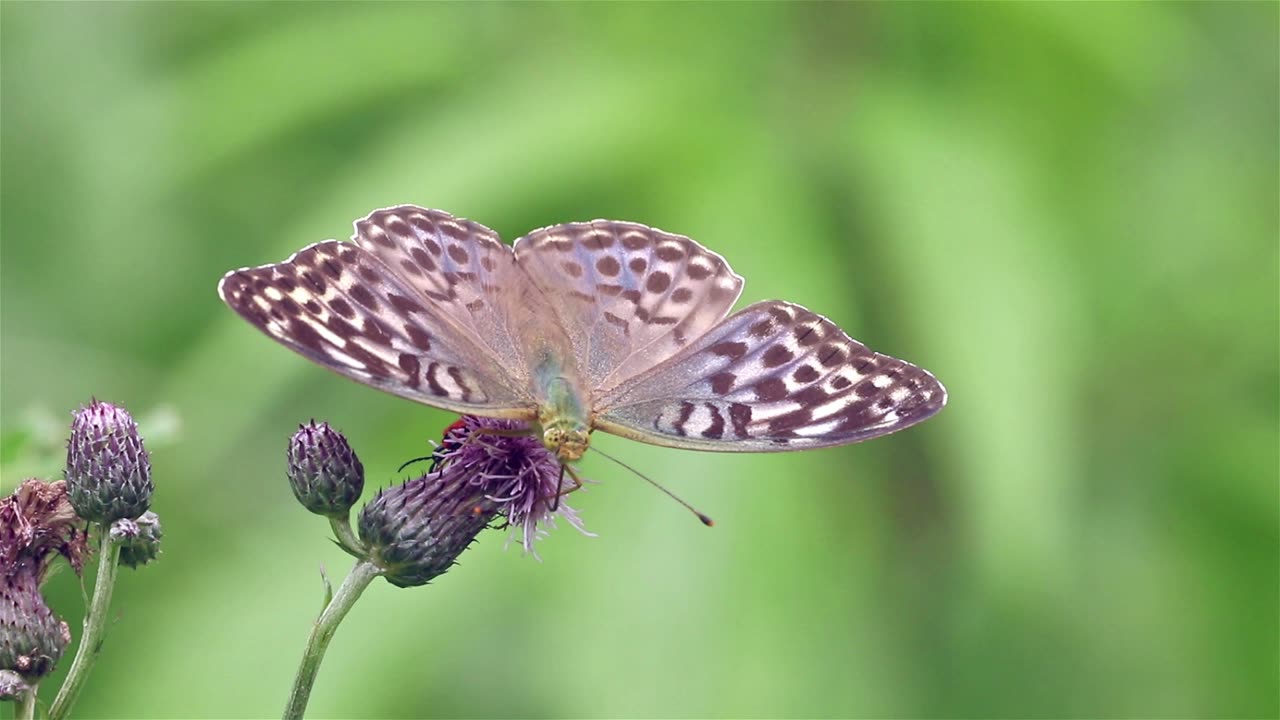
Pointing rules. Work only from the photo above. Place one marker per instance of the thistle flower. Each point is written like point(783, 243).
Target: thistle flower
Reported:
point(518, 473)
point(324, 472)
point(415, 531)
point(139, 539)
point(108, 471)
point(36, 523)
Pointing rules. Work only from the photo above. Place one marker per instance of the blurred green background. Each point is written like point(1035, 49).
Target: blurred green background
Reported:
point(1067, 212)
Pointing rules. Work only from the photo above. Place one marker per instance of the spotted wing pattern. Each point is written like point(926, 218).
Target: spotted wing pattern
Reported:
point(340, 306)
point(627, 296)
point(772, 377)
point(469, 278)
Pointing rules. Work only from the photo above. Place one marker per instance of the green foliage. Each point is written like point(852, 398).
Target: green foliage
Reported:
point(1067, 212)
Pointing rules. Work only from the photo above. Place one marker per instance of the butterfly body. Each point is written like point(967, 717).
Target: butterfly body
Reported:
point(603, 325)
point(565, 428)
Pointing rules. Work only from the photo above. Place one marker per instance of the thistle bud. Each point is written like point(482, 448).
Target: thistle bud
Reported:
point(139, 539)
point(31, 637)
point(324, 472)
point(108, 471)
point(415, 531)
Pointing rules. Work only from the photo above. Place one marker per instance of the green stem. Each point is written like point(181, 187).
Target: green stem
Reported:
point(95, 624)
point(361, 575)
point(342, 529)
point(27, 705)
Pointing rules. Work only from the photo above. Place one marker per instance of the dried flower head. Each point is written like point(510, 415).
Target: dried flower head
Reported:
point(324, 472)
point(139, 539)
point(108, 470)
point(415, 531)
point(37, 523)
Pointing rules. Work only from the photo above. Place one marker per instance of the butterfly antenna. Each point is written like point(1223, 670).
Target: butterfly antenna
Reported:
point(706, 519)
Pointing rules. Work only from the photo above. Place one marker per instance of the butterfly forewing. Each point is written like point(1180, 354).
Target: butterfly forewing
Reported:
point(627, 296)
point(339, 306)
point(465, 274)
point(772, 377)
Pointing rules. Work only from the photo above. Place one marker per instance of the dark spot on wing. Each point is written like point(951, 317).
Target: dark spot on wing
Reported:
point(777, 355)
point(722, 382)
point(770, 390)
point(657, 282)
point(729, 349)
point(608, 266)
point(716, 429)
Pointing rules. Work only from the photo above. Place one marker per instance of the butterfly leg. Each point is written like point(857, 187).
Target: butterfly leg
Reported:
point(577, 485)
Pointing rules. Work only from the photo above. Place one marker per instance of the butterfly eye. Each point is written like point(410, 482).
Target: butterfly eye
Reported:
point(552, 437)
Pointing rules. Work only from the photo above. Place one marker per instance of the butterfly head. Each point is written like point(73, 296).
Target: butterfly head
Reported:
point(566, 441)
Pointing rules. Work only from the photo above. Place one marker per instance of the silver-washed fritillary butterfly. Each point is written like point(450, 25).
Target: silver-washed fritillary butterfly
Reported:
point(600, 325)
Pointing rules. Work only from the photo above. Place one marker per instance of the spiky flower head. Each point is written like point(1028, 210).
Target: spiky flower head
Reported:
point(324, 472)
point(31, 637)
point(139, 539)
point(415, 531)
point(37, 523)
point(108, 470)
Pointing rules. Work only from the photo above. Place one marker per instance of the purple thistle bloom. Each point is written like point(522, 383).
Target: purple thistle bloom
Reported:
point(518, 473)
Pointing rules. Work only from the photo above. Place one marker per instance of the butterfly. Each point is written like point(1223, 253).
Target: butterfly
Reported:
point(600, 325)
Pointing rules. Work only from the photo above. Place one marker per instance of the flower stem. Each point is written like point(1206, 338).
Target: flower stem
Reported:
point(361, 575)
point(27, 705)
point(95, 624)
point(346, 537)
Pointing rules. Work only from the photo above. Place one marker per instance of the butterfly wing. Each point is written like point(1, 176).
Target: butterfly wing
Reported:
point(411, 334)
point(772, 377)
point(627, 296)
point(468, 276)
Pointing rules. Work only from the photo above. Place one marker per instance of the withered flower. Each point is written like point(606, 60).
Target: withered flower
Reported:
point(37, 523)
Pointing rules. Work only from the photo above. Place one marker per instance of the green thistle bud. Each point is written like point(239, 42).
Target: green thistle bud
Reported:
point(139, 539)
point(108, 471)
point(324, 472)
point(31, 637)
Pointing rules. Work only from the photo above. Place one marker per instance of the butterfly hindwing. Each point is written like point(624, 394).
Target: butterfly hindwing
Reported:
point(626, 295)
point(339, 306)
point(772, 377)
